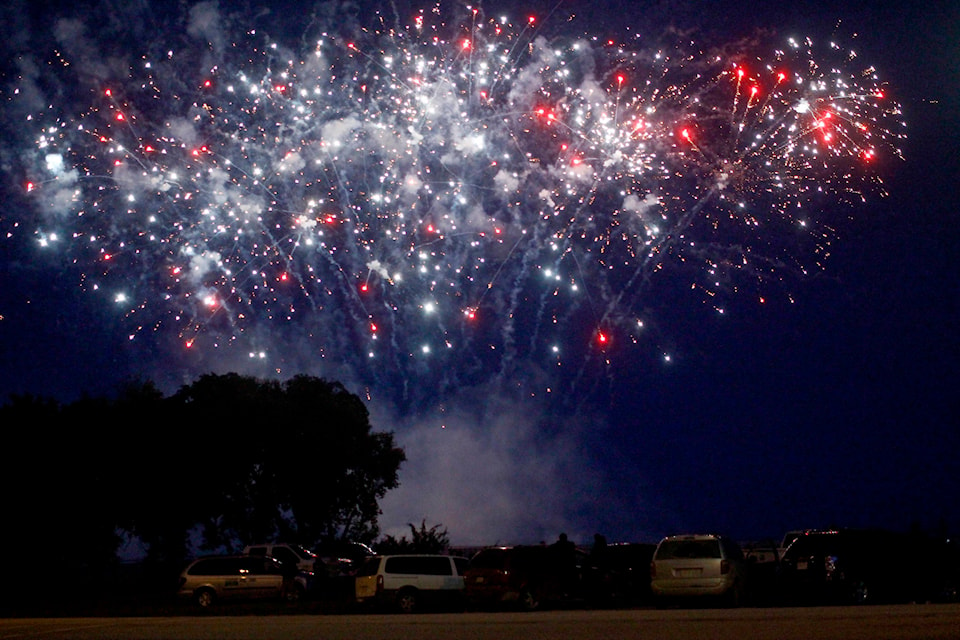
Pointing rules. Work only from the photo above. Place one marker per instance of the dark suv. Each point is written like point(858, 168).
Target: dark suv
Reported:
point(526, 576)
point(857, 567)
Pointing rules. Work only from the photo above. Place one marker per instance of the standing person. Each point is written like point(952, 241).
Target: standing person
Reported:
point(565, 555)
point(598, 555)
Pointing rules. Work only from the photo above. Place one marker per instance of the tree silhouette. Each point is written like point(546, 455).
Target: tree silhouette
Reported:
point(422, 540)
point(225, 461)
point(296, 461)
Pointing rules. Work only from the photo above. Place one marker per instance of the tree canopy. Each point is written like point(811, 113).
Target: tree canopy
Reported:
point(226, 461)
point(434, 539)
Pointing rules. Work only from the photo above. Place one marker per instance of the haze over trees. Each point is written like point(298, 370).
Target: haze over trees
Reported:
point(226, 461)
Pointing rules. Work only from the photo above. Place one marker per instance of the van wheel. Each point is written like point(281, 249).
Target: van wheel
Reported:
point(529, 600)
point(407, 601)
point(204, 598)
point(293, 593)
point(861, 593)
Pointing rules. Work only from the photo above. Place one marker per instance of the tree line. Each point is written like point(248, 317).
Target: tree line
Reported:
point(225, 461)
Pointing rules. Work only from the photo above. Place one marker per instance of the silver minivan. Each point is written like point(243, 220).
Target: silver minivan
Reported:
point(215, 578)
point(408, 582)
point(698, 566)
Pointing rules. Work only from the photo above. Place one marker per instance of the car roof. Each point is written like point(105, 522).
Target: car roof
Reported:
point(693, 536)
point(415, 555)
point(224, 558)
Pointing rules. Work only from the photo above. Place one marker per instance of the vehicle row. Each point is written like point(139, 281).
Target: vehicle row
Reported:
point(280, 571)
point(815, 567)
point(822, 567)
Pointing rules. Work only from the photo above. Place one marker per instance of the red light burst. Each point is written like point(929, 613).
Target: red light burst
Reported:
point(603, 339)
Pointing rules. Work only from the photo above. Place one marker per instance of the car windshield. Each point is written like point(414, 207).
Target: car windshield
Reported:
point(673, 549)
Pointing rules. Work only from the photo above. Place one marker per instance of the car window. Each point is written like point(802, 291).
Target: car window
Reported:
point(804, 546)
point(203, 568)
point(285, 555)
point(422, 565)
point(272, 566)
point(214, 567)
point(531, 558)
point(369, 567)
point(678, 549)
point(252, 566)
point(257, 551)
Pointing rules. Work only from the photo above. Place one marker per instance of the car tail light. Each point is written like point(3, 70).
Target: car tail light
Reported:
point(379, 583)
point(724, 567)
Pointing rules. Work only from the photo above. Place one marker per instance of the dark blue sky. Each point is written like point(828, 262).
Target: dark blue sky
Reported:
point(839, 408)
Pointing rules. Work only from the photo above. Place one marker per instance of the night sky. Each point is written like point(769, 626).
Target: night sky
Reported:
point(830, 402)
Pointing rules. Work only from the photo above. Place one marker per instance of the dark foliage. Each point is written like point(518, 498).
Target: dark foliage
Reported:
point(237, 459)
point(423, 540)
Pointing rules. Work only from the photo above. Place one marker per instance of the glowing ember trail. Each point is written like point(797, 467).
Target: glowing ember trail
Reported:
point(441, 201)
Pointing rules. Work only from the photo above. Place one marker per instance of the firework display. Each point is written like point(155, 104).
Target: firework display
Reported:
point(440, 200)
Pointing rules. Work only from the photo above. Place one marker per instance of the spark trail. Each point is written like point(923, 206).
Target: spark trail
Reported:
point(436, 202)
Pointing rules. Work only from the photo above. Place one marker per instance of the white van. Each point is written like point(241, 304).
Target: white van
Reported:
point(408, 582)
point(698, 566)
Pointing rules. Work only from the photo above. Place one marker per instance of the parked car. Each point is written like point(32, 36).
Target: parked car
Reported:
point(622, 572)
point(789, 537)
point(763, 571)
point(410, 582)
point(696, 568)
point(525, 576)
point(211, 579)
point(861, 567)
point(343, 557)
point(294, 555)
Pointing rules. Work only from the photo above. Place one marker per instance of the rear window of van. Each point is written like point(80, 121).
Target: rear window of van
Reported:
point(677, 549)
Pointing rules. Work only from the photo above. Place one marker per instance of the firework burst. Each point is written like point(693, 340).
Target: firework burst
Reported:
point(435, 202)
